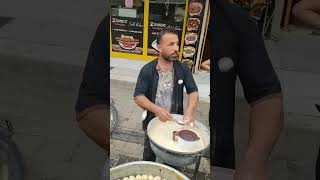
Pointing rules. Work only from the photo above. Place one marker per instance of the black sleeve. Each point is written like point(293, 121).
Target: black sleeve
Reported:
point(94, 88)
point(190, 84)
point(142, 82)
point(255, 70)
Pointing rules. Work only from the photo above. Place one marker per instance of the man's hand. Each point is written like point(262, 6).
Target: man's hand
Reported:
point(163, 115)
point(188, 119)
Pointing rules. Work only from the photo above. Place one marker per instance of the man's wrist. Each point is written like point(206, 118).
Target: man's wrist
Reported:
point(189, 113)
point(157, 109)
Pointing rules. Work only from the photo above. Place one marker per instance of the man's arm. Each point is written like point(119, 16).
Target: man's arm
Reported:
point(145, 103)
point(193, 95)
point(193, 101)
point(262, 90)
point(266, 123)
point(94, 124)
point(92, 106)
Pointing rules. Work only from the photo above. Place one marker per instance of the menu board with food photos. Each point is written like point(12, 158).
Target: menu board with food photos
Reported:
point(127, 35)
point(154, 29)
point(193, 29)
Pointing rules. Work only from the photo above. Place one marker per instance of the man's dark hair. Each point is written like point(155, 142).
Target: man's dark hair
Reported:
point(165, 31)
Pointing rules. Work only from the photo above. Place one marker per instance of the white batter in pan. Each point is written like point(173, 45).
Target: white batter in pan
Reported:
point(161, 133)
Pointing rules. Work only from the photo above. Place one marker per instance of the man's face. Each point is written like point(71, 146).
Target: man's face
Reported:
point(169, 47)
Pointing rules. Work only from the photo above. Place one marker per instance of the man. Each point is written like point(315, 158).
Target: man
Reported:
point(92, 106)
point(159, 88)
point(238, 50)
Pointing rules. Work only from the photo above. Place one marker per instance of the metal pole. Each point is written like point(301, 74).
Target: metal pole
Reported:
point(196, 170)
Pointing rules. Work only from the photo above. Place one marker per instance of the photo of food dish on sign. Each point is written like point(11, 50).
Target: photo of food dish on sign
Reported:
point(193, 24)
point(192, 33)
point(127, 42)
point(191, 38)
point(195, 9)
point(124, 39)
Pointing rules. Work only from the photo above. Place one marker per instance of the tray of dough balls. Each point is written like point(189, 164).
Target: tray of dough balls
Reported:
point(145, 170)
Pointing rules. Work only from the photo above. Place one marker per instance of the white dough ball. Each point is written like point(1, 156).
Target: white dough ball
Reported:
point(150, 177)
point(144, 177)
point(138, 177)
point(125, 178)
point(157, 178)
point(132, 178)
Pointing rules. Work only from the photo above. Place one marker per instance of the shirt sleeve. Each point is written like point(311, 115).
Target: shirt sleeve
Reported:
point(94, 88)
point(190, 83)
point(142, 82)
point(255, 70)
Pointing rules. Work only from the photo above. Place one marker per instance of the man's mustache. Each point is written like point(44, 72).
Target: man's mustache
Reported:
point(176, 53)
